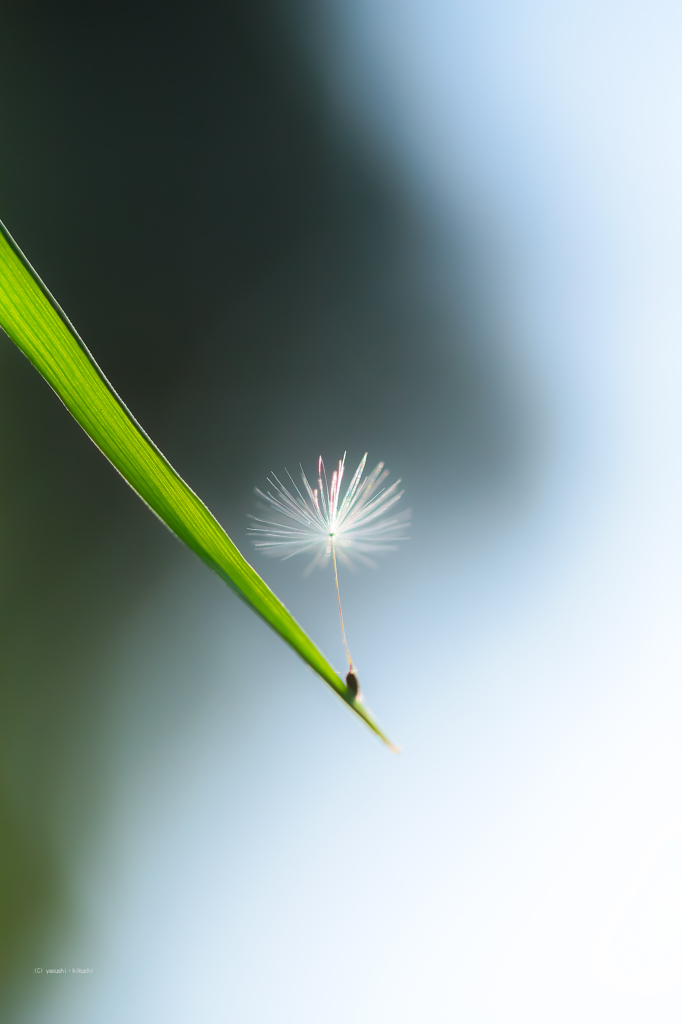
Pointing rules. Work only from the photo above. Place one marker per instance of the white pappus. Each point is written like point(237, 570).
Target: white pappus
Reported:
point(331, 527)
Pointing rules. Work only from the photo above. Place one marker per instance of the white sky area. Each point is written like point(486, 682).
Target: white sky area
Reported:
point(266, 860)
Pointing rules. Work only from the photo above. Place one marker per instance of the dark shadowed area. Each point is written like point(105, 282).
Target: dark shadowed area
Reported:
point(258, 285)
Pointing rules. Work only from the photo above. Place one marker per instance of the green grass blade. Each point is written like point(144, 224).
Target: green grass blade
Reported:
point(37, 325)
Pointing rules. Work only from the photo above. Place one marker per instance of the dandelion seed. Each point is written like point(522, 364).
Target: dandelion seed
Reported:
point(328, 526)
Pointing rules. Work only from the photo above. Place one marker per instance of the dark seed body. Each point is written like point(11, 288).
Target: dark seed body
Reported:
point(352, 684)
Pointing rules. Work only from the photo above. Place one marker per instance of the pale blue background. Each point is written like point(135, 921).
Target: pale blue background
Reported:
point(259, 856)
